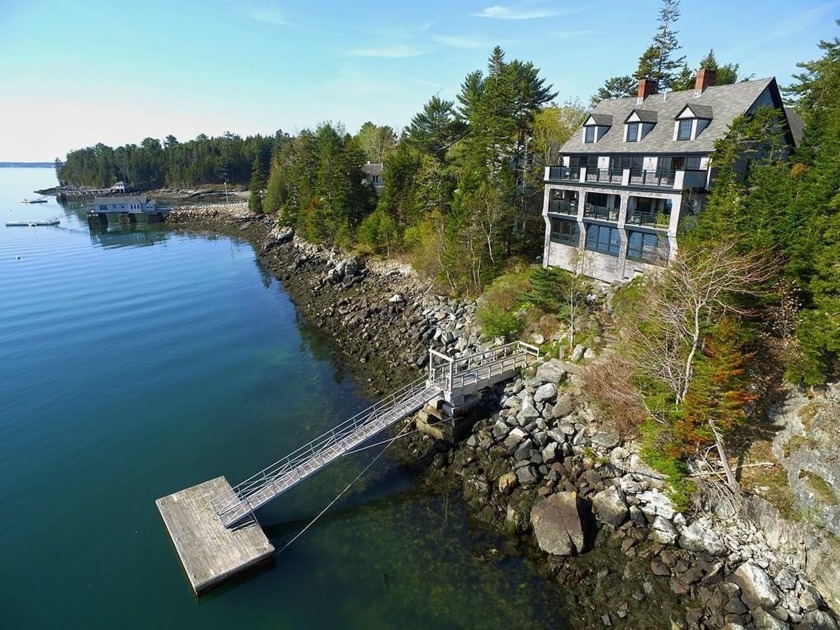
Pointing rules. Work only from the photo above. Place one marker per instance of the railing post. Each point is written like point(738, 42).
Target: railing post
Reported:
point(431, 366)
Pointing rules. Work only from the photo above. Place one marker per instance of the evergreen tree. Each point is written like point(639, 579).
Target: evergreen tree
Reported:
point(657, 62)
point(435, 129)
point(256, 186)
point(818, 169)
point(724, 74)
point(615, 87)
point(663, 66)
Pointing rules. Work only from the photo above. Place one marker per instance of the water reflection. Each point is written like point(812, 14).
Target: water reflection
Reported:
point(137, 235)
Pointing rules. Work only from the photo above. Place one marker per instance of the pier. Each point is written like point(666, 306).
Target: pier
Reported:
point(213, 526)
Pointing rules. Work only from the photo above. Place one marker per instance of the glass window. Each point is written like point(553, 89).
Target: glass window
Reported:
point(604, 239)
point(684, 130)
point(589, 138)
point(646, 247)
point(566, 232)
point(633, 132)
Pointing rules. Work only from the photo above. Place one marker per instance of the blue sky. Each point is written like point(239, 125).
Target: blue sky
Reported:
point(77, 72)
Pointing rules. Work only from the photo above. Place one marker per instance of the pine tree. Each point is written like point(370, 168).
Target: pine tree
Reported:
point(256, 186)
point(664, 67)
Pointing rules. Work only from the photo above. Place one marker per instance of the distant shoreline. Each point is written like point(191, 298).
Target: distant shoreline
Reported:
point(27, 164)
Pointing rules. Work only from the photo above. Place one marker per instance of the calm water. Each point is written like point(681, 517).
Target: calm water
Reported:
point(136, 364)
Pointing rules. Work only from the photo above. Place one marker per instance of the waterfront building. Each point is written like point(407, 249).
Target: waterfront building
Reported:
point(637, 168)
point(106, 211)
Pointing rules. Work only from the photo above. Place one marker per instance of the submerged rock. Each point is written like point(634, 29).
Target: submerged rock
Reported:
point(557, 524)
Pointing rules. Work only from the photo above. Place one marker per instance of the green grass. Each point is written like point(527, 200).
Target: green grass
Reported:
point(820, 487)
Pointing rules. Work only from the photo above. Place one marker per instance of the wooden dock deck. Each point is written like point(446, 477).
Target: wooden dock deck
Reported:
point(210, 552)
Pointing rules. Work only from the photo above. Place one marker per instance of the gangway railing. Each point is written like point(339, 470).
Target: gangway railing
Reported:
point(232, 507)
point(465, 374)
point(447, 377)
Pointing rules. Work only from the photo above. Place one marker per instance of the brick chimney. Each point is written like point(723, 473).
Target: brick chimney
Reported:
point(646, 88)
point(704, 79)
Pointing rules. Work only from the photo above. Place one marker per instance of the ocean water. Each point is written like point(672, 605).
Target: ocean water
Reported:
point(137, 363)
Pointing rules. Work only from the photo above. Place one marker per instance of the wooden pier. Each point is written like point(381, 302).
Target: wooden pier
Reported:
point(210, 552)
point(212, 525)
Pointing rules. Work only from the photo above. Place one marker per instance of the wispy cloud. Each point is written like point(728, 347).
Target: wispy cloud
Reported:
point(397, 51)
point(784, 28)
point(269, 15)
point(499, 12)
point(464, 41)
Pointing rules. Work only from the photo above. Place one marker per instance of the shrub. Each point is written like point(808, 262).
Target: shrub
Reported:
point(499, 313)
point(655, 437)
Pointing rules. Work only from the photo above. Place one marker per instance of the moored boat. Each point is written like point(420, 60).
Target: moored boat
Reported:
point(34, 201)
point(32, 223)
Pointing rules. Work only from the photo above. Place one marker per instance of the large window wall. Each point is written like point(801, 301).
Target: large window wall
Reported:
point(565, 231)
point(647, 247)
point(603, 238)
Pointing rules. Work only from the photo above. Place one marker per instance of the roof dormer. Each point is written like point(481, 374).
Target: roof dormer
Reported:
point(638, 124)
point(595, 127)
point(691, 121)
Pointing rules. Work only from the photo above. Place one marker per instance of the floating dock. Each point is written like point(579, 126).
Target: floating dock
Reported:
point(210, 552)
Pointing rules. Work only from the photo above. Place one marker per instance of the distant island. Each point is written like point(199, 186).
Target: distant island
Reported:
point(27, 164)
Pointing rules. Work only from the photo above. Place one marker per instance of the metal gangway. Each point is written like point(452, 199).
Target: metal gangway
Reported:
point(449, 379)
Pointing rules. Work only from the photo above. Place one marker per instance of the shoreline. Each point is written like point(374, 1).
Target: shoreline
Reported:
point(536, 441)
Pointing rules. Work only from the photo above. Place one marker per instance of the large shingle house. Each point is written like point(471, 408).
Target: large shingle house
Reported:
point(637, 167)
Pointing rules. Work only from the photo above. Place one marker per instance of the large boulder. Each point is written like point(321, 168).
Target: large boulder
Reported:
point(654, 503)
point(757, 588)
point(765, 621)
point(277, 235)
point(605, 438)
point(527, 413)
point(610, 507)
point(557, 524)
point(699, 536)
point(544, 392)
point(552, 371)
point(817, 620)
point(663, 531)
point(563, 407)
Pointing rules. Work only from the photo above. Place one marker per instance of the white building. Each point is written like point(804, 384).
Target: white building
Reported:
point(124, 204)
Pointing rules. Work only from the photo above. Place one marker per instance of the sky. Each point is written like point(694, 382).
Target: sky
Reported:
point(74, 73)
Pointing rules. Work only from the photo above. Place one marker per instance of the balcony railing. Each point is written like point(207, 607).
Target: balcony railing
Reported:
point(563, 174)
point(598, 175)
point(616, 175)
point(652, 178)
point(592, 211)
point(562, 206)
point(664, 178)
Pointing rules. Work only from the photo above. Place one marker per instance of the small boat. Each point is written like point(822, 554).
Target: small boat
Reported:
point(32, 223)
point(34, 201)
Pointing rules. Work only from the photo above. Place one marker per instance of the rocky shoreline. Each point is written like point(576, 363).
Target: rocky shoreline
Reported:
point(537, 465)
